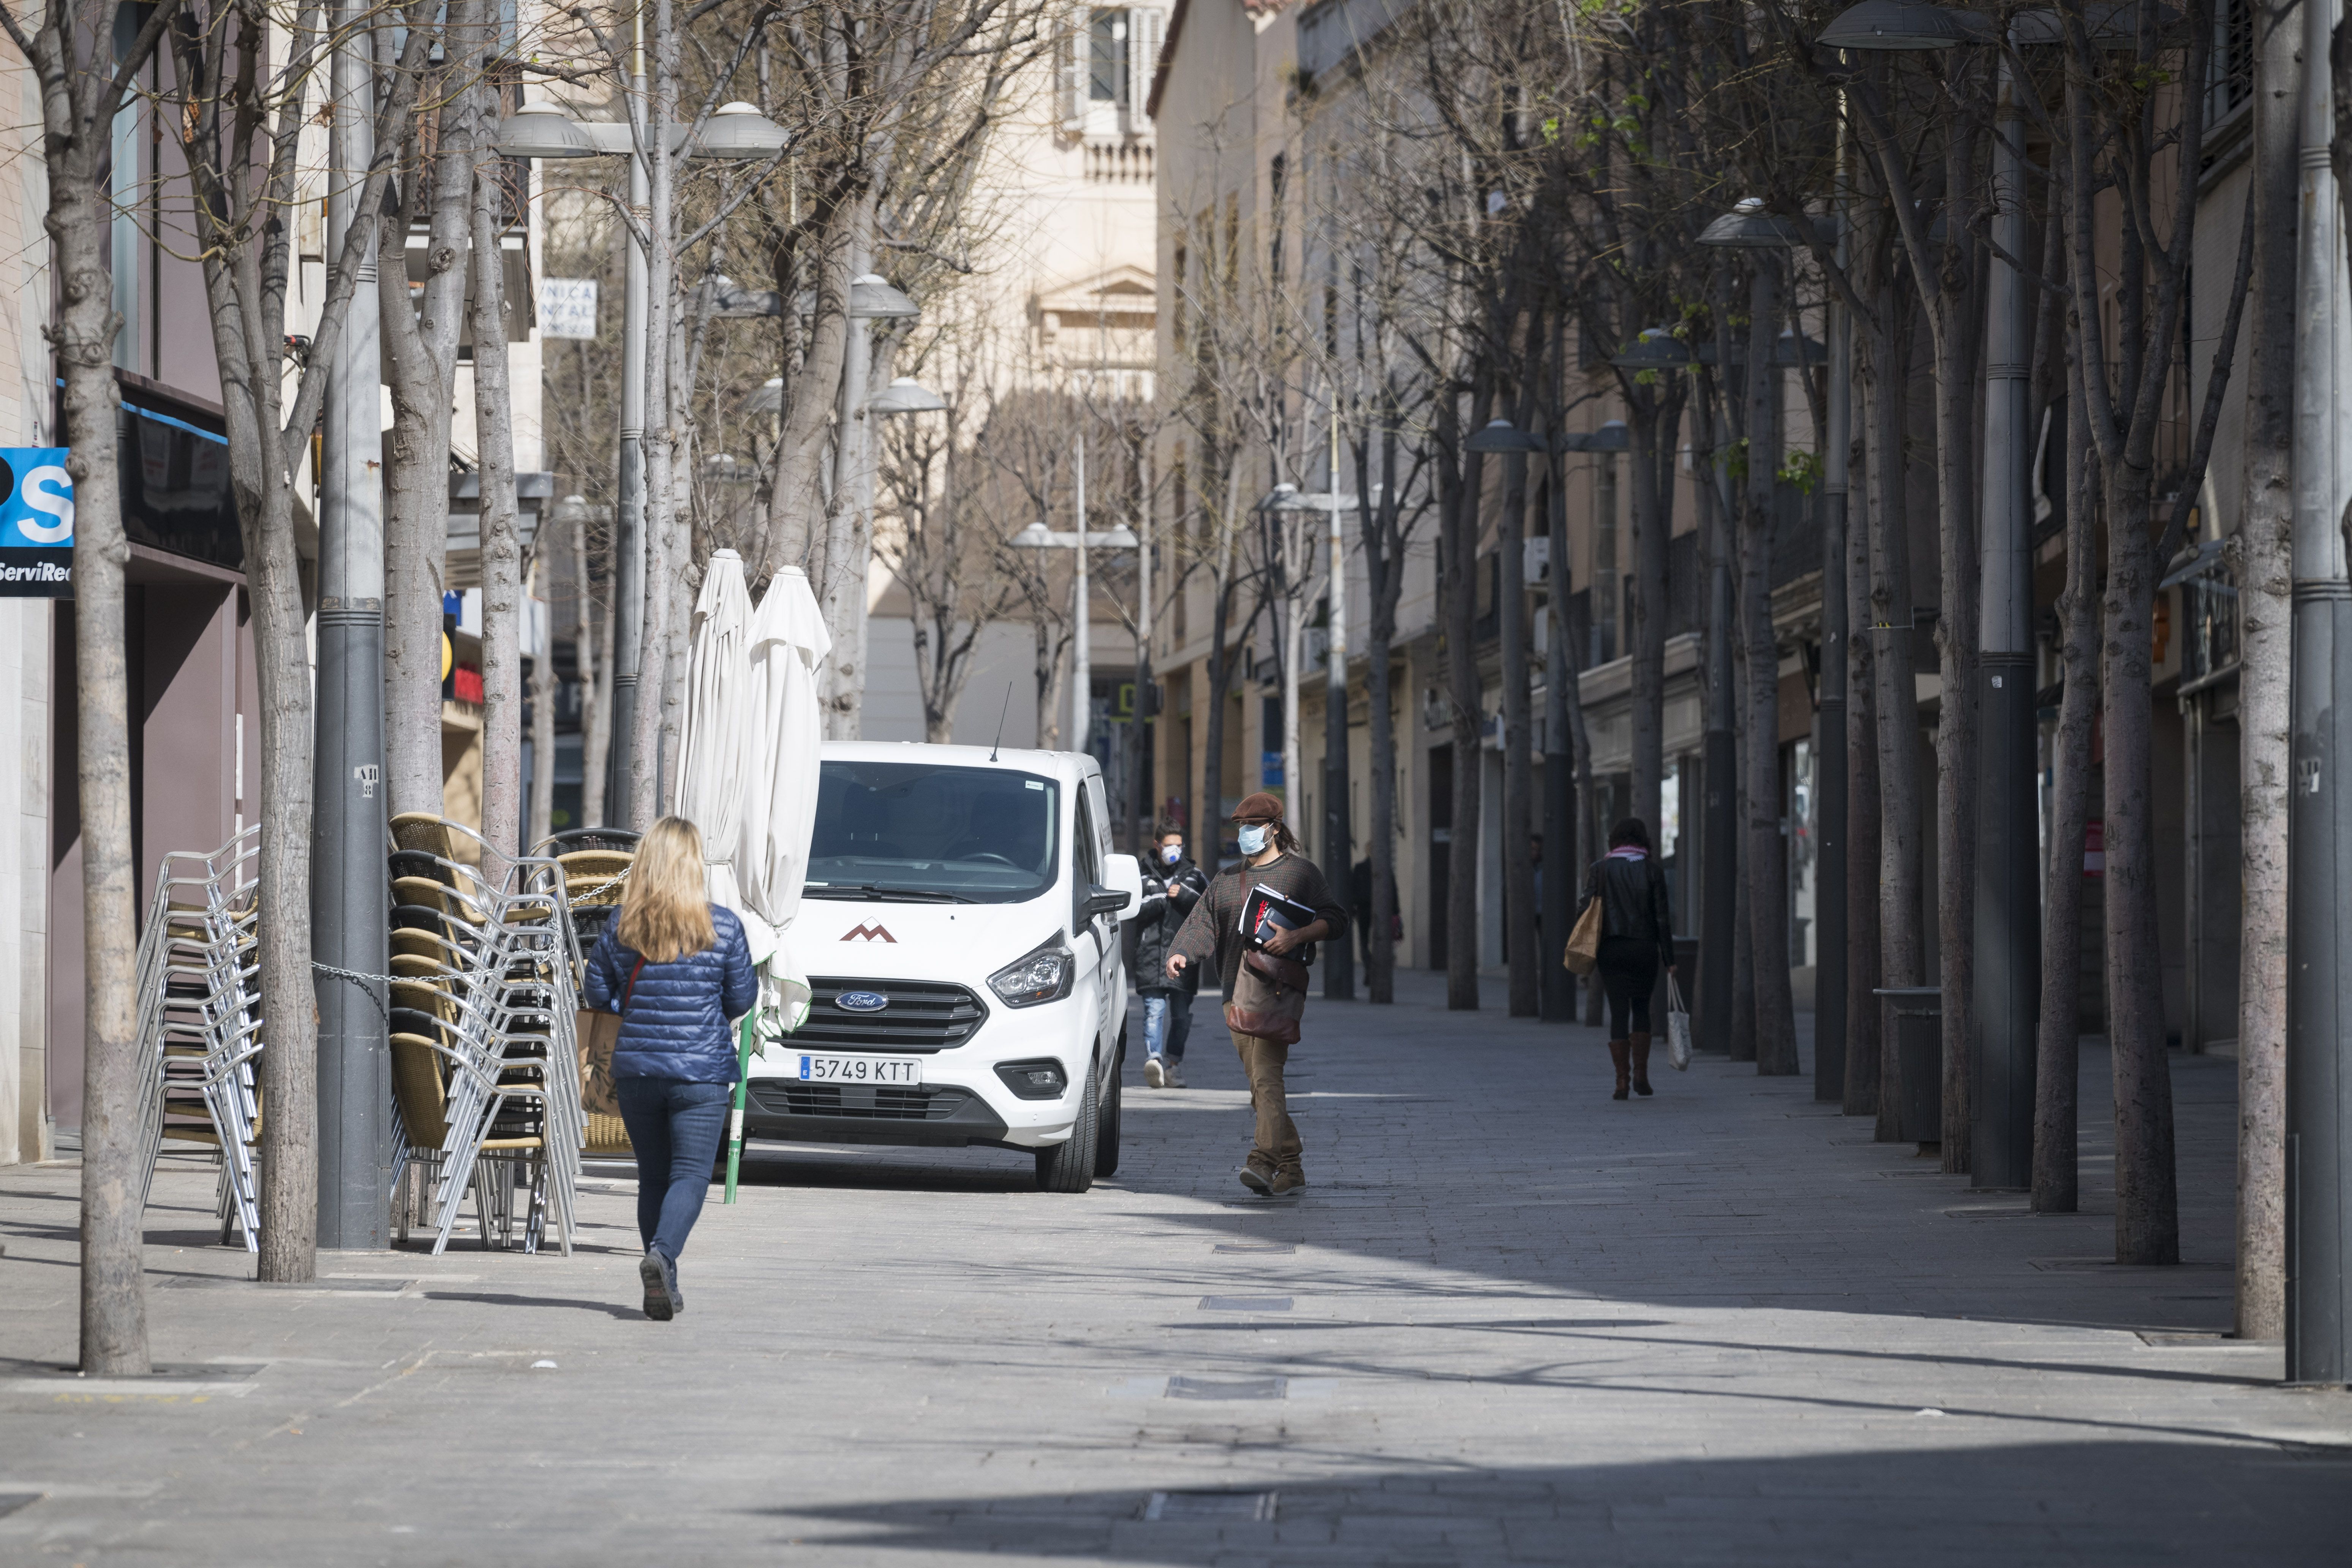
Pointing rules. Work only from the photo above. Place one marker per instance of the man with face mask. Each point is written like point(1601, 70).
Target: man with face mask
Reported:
point(1269, 976)
point(1171, 886)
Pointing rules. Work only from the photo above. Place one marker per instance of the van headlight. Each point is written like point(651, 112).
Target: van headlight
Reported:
point(1044, 974)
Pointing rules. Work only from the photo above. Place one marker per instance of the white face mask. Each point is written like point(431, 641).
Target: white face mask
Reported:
point(1253, 839)
point(1171, 853)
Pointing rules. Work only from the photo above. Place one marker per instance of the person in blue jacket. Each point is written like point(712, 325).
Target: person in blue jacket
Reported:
point(676, 967)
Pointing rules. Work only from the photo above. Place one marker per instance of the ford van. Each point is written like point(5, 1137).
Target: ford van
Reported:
point(958, 927)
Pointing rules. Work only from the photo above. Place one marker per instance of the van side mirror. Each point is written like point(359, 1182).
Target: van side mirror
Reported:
point(1102, 900)
point(1124, 873)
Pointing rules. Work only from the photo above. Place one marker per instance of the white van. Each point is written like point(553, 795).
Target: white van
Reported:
point(959, 930)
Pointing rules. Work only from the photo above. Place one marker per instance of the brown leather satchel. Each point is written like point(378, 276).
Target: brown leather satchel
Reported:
point(1269, 997)
point(597, 1034)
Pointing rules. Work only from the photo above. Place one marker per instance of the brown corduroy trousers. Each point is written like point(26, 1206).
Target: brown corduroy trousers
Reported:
point(1276, 1142)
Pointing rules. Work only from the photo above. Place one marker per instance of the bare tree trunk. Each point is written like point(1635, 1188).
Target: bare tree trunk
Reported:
point(1520, 911)
point(1894, 692)
point(1208, 820)
point(1766, 850)
point(113, 1181)
point(2265, 562)
point(590, 635)
point(1460, 475)
point(1384, 575)
point(542, 729)
point(1956, 631)
point(1863, 1045)
point(796, 485)
point(2148, 1213)
point(1740, 1042)
point(1652, 458)
point(646, 756)
point(678, 632)
point(501, 544)
point(2057, 1062)
point(419, 336)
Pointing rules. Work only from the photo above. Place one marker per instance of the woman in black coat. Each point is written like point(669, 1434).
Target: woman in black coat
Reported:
point(1637, 933)
point(676, 967)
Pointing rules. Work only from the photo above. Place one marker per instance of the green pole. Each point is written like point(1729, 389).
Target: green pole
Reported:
point(742, 1087)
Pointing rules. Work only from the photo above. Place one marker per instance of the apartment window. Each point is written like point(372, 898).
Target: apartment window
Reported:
point(2234, 59)
point(1106, 56)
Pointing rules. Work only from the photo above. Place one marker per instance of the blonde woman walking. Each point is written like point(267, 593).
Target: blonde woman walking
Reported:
point(674, 967)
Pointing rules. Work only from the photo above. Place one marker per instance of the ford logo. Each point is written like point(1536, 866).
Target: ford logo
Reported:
point(861, 1001)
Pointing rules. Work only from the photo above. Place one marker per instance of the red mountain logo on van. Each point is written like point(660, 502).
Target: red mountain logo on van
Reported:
point(870, 933)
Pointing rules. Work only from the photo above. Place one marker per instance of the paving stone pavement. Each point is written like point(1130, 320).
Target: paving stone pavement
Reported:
point(1511, 1321)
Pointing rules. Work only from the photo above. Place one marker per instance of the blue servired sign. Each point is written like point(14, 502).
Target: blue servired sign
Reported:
point(36, 523)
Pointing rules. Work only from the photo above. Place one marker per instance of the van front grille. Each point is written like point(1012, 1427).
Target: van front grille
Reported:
point(918, 1016)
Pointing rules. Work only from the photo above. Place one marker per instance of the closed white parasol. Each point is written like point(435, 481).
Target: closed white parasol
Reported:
point(785, 727)
point(717, 780)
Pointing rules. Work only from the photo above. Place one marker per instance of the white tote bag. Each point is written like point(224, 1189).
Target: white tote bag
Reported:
point(1677, 1027)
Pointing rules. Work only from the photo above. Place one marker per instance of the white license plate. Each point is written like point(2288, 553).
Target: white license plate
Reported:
point(809, 1068)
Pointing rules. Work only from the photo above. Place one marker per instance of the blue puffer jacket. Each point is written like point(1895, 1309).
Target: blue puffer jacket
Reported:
point(675, 1023)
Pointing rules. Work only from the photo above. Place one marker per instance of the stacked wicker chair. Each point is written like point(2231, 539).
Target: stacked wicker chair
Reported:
point(199, 1020)
point(595, 862)
point(484, 1059)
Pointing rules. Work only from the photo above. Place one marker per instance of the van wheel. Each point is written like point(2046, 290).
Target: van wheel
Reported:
point(1069, 1166)
point(1106, 1136)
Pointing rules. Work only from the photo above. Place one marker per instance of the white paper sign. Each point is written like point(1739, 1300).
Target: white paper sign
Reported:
point(567, 307)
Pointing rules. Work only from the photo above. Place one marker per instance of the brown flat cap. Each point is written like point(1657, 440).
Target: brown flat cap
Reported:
point(1260, 807)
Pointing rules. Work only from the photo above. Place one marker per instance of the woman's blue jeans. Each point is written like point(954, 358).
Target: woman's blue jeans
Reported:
point(675, 1127)
point(1167, 1020)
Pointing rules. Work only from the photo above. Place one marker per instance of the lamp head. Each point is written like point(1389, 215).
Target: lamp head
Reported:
point(905, 395)
point(871, 299)
point(1502, 436)
point(542, 130)
point(1904, 25)
point(740, 131)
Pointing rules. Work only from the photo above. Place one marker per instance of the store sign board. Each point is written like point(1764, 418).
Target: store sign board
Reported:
point(36, 523)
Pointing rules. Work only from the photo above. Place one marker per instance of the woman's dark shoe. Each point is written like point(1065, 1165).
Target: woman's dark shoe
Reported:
point(1641, 1044)
point(656, 1283)
point(1620, 1052)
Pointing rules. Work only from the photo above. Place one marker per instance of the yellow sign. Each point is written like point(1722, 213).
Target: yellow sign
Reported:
point(449, 656)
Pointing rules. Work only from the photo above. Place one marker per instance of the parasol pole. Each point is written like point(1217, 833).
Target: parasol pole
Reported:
point(742, 1087)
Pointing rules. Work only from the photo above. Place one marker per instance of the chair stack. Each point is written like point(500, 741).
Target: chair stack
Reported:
point(199, 1020)
point(595, 863)
point(484, 1064)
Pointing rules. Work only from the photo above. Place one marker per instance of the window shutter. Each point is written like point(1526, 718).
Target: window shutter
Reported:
point(1073, 63)
point(1144, 31)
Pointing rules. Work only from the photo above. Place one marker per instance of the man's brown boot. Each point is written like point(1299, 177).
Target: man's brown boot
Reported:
point(1622, 1053)
point(1641, 1043)
point(1288, 1179)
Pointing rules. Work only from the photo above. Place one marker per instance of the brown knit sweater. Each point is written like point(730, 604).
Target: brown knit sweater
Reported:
point(1213, 928)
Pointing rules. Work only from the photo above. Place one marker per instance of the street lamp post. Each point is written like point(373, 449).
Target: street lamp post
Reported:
point(735, 131)
point(1039, 537)
point(2319, 812)
point(348, 933)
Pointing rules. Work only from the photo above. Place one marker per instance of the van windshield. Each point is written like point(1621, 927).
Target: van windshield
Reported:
point(905, 831)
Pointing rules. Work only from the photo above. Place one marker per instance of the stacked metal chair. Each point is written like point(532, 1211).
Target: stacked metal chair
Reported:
point(485, 1065)
point(595, 863)
point(199, 1020)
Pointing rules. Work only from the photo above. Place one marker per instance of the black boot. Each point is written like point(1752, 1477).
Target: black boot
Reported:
point(1620, 1052)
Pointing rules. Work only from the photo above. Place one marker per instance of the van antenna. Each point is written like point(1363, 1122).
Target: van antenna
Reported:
point(1003, 708)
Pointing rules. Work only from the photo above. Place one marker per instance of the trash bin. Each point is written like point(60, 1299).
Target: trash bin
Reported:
point(1915, 1014)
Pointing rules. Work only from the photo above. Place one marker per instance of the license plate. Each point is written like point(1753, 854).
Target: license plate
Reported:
point(810, 1069)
